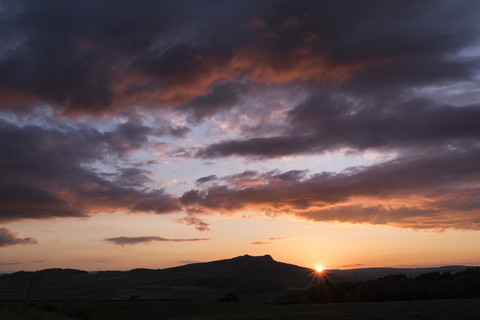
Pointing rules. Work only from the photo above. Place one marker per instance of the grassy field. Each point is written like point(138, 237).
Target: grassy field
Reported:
point(155, 310)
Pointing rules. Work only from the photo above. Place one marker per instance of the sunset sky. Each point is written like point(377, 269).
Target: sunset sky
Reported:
point(341, 134)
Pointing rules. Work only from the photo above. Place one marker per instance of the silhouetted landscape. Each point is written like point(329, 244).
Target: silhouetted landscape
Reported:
point(254, 284)
point(138, 135)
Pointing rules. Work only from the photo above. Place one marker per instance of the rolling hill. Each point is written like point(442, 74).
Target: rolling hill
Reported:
point(252, 278)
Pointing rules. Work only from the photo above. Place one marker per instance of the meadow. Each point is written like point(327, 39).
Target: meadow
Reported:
point(155, 310)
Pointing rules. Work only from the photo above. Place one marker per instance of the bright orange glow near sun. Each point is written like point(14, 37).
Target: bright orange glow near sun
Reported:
point(319, 269)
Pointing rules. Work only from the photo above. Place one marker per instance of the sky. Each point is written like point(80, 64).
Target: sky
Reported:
point(341, 134)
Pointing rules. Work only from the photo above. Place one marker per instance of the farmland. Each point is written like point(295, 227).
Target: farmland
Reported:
point(153, 310)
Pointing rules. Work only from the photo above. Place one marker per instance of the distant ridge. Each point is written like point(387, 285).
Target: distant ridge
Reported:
point(374, 273)
point(59, 271)
point(245, 273)
point(240, 264)
point(253, 278)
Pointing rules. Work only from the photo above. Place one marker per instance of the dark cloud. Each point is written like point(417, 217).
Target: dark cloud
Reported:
point(133, 177)
point(248, 175)
point(71, 54)
point(221, 97)
point(122, 241)
point(158, 202)
point(263, 147)
point(100, 56)
point(50, 172)
point(104, 56)
point(432, 190)
point(10, 238)
point(127, 136)
point(179, 132)
point(203, 180)
point(324, 123)
point(242, 175)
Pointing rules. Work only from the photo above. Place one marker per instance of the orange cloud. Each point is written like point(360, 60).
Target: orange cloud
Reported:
point(433, 192)
point(261, 62)
point(248, 182)
point(255, 61)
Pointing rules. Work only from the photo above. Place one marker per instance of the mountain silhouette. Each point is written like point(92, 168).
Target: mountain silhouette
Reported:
point(249, 266)
point(247, 274)
point(251, 277)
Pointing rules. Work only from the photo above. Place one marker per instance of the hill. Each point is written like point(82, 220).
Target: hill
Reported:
point(374, 273)
point(252, 278)
point(433, 285)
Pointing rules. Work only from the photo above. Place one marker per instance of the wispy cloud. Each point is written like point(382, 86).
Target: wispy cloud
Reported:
point(198, 223)
point(349, 266)
point(42, 231)
point(122, 241)
point(271, 240)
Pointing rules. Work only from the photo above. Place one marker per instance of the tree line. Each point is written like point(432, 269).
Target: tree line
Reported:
point(433, 285)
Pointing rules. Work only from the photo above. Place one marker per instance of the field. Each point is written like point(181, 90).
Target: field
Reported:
point(155, 310)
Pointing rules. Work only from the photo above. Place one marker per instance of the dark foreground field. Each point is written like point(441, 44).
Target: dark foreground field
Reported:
point(155, 310)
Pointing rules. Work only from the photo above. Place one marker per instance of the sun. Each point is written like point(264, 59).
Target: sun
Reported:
point(319, 269)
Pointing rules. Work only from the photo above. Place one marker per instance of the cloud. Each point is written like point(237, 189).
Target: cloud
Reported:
point(221, 97)
point(245, 178)
point(270, 240)
point(77, 80)
point(122, 241)
point(437, 189)
point(325, 123)
point(346, 266)
point(10, 238)
point(190, 220)
point(182, 262)
point(261, 242)
point(203, 180)
point(90, 58)
point(42, 231)
point(50, 172)
point(179, 132)
point(10, 263)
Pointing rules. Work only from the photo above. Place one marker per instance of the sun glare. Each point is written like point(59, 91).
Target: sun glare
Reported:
point(319, 269)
